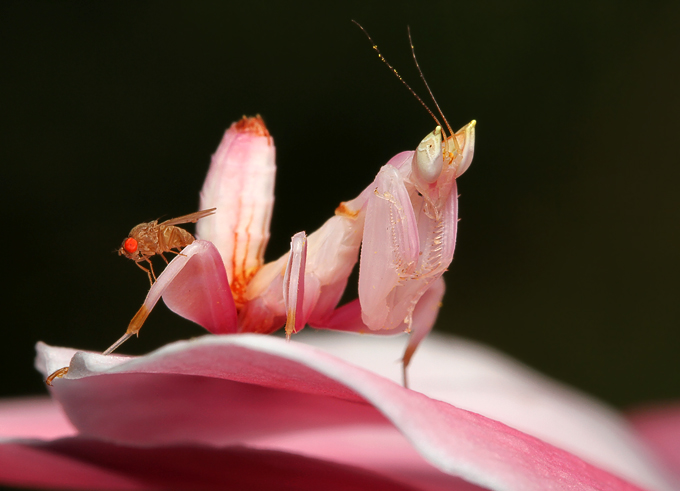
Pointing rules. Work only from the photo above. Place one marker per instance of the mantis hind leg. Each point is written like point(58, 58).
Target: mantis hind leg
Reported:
point(348, 318)
point(424, 317)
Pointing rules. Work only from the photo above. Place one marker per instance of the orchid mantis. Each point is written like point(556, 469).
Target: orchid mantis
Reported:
point(403, 224)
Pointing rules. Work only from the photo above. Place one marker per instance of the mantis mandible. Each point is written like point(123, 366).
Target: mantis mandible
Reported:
point(404, 223)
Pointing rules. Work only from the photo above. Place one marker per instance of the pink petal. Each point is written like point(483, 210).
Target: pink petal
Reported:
point(33, 417)
point(91, 464)
point(479, 379)
point(38, 464)
point(288, 388)
point(659, 426)
point(88, 464)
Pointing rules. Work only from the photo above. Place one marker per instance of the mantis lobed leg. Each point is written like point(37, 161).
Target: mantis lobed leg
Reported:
point(294, 284)
point(194, 284)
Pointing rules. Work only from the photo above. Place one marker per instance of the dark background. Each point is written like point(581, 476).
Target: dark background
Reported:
point(568, 246)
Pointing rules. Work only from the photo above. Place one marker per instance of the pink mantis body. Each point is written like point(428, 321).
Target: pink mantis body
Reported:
point(404, 223)
point(406, 220)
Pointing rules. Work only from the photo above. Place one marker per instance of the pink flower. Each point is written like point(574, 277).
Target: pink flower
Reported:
point(247, 411)
point(255, 412)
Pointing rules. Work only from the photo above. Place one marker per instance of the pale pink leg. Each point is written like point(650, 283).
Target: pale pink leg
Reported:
point(194, 285)
point(348, 318)
point(424, 317)
point(294, 284)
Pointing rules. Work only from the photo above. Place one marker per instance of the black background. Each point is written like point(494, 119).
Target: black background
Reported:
point(568, 246)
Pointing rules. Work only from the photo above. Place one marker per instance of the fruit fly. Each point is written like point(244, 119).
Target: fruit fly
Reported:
point(152, 238)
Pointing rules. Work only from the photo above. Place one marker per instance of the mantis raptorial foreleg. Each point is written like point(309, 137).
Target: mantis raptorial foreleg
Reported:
point(435, 235)
point(390, 248)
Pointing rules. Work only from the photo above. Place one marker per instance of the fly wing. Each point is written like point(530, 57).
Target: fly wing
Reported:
point(190, 218)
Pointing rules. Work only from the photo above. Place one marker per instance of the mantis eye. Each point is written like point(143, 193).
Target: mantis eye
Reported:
point(428, 160)
point(130, 245)
point(467, 144)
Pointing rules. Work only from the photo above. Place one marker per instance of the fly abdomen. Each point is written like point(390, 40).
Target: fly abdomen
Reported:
point(171, 237)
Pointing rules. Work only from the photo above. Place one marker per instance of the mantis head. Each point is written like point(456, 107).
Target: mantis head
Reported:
point(440, 158)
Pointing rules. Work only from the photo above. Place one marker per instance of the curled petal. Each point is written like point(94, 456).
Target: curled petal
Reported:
point(479, 379)
point(659, 426)
point(80, 463)
point(33, 417)
point(261, 392)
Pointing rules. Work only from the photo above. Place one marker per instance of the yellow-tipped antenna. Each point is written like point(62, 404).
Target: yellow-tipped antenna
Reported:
point(375, 47)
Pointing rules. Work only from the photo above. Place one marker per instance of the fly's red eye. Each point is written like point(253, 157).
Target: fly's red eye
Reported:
point(130, 245)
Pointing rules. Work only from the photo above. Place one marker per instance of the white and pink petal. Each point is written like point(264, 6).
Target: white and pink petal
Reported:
point(263, 393)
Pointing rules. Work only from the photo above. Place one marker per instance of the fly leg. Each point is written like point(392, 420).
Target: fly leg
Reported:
point(164, 258)
point(152, 275)
point(178, 252)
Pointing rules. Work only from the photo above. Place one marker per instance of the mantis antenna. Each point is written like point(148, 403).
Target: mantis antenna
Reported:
point(427, 86)
point(413, 52)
